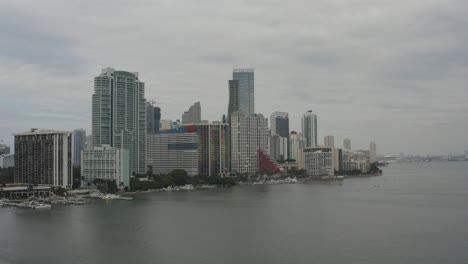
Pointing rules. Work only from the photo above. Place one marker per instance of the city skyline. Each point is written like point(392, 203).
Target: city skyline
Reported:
point(360, 79)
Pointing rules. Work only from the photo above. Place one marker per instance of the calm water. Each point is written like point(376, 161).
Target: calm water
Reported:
point(418, 215)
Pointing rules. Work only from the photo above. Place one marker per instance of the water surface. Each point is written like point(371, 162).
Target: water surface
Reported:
point(419, 214)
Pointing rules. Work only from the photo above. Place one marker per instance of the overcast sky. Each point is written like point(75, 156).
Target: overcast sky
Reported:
point(395, 72)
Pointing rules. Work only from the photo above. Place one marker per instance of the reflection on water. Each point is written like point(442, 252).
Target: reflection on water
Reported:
point(415, 213)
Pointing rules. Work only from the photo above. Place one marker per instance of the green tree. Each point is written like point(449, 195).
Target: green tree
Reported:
point(179, 177)
point(7, 175)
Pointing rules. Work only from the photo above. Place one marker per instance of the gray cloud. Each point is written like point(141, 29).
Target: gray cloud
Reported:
point(390, 71)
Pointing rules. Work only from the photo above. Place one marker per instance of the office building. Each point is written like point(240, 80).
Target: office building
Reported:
point(4, 149)
point(319, 162)
point(329, 141)
point(153, 118)
point(193, 115)
point(347, 144)
point(79, 144)
point(172, 150)
point(119, 115)
point(309, 129)
point(241, 92)
point(107, 163)
point(249, 137)
point(213, 149)
point(279, 143)
point(372, 152)
point(7, 160)
point(44, 157)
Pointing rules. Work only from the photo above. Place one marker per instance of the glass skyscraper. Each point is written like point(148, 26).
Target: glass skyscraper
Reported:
point(119, 115)
point(241, 92)
point(309, 129)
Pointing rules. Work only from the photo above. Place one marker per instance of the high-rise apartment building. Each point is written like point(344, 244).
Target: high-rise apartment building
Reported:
point(168, 151)
point(329, 141)
point(213, 149)
point(297, 144)
point(249, 136)
point(193, 115)
point(79, 144)
point(119, 115)
point(309, 128)
point(347, 144)
point(241, 92)
point(44, 157)
point(279, 143)
point(107, 163)
point(372, 152)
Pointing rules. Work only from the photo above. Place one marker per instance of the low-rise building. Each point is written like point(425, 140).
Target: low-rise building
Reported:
point(107, 163)
point(319, 161)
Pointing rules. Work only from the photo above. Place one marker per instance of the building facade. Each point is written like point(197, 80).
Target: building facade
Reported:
point(355, 160)
point(241, 92)
point(7, 160)
point(213, 149)
point(153, 118)
point(296, 145)
point(172, 150)
point(347, 144)
point(319, 162)
point(107, 163)
point(79, 144)
point(309, 129)
point(279, 128)
point(165, 124)
point(249, 135)
point(4, 149)
point(329, 141)
point(44, 157)
point(193, 115)
point(119, 115)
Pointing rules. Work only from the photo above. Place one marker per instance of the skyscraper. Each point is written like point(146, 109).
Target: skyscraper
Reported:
point(193, 115)
point(79, 144)
point(372, 152)
point(241, 92)
point(347, 143)
point(249, 136)
point(279, 146)
point(119, 115)
point(153, 117)
point(149, 118)
point(329, 141)
point(309, 129)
